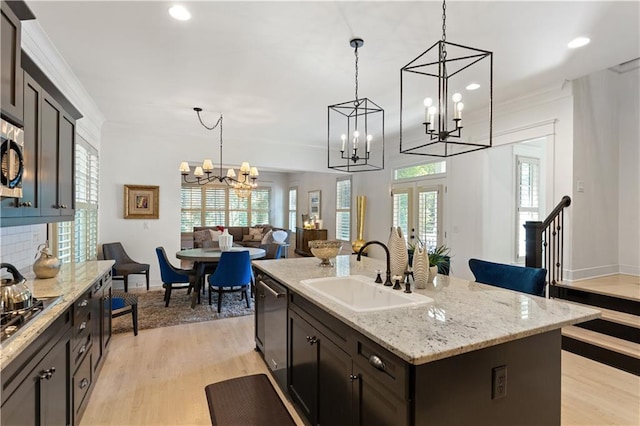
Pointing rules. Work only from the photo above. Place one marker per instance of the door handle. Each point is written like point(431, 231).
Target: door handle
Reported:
point(312, 340)
point(46, 374)
point(272, 291)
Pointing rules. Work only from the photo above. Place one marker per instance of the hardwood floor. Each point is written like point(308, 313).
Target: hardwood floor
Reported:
point(619, 285)
point(158, 378)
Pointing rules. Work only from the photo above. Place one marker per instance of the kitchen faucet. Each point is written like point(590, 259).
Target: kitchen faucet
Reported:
point(388, 280)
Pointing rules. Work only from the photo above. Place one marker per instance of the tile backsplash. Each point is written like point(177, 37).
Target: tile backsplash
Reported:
point(19, 244)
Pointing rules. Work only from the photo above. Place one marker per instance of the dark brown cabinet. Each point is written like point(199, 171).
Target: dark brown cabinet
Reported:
point(49, 152)
point(303, 236)
point(37, 388)
point(101, 310)
point(58, 141)
point(11, 87)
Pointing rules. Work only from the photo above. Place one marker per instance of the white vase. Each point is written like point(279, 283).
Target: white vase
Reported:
point(398, 252)
point(225, 241)
point(433, 271)
point(420, 267)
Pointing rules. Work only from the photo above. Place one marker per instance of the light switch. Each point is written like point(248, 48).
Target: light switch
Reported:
point(580, 186)
point(145, 225)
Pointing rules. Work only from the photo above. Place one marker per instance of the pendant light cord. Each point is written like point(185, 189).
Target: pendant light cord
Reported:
point(218, 123)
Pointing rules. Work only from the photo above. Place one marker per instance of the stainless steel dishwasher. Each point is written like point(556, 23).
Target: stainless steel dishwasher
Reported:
point(275, 327)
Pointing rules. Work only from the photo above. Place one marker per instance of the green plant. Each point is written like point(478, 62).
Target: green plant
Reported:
point(440, 257)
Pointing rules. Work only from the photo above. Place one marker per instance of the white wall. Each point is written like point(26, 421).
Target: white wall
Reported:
point(629, 172)
point(595, 208)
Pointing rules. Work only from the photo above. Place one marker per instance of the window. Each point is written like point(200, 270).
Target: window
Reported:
point(420, 170)
point(418, 202)
point(343, 209)
point(527, 198)
point(77, 241)
point(293, 208)
point(212, 205)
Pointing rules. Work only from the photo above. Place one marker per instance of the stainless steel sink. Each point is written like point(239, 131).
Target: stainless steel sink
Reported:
point(361, 294)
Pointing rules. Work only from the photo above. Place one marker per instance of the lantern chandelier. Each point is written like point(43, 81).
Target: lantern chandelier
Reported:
point(355, 138)
point(449, 64)
point(242, 186)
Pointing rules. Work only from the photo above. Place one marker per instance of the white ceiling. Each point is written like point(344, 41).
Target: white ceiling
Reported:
point(273, 68)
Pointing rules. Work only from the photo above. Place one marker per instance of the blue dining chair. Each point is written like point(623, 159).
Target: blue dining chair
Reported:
point(232, 274)
point(518, 278)
point(173, 277)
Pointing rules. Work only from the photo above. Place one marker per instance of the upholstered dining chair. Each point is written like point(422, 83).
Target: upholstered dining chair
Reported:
point(124, 265)
point(518, 278)
point(172, 277)
point(233, 273)
point(125, 303)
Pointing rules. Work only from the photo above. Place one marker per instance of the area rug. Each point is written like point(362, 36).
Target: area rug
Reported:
point(153, 314)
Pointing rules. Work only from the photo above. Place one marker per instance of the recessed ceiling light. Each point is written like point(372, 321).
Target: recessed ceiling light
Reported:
point(578, 42)
point(180, 13)
point(473, 86)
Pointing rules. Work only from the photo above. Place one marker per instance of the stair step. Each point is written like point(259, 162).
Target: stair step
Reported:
point(613, 316)
point(602, 340)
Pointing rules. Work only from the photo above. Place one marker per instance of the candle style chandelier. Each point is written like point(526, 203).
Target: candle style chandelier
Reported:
point(242, 186)
point(355, 131)
point(447, 67)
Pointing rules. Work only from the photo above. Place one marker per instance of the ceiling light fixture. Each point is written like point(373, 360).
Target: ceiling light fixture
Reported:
point(242, 186)
point(578, 42)
point(180, 13)
point(473, 86)
point(355, 131)
point(447, 67)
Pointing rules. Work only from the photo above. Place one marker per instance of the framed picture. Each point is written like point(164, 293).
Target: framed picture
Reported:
point(314, 203)
point(141, 202)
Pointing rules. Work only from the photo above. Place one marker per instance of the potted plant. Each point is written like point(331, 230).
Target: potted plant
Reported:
point(440, 258)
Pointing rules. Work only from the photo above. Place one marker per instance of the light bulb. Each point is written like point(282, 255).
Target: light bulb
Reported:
point(428, 102)
point(356, 134)
point(460, 106)
point(457, 97)
point(343, 137)
point(433, 110)
point(369, 137)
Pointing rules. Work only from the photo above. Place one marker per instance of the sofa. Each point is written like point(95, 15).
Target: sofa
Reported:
point(258, 236)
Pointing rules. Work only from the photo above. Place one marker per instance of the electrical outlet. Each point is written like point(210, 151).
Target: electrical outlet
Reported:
point(499, 382)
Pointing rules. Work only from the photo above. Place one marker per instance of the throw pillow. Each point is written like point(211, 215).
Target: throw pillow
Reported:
point(214, 235)
point(268, 238)
point(256, 232)
point(250, 238)
point(200, 237)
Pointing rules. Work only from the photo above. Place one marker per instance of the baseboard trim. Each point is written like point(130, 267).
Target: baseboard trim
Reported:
point(604, 356)
point(588, 273)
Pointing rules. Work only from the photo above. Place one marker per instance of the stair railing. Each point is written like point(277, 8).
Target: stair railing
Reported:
point(545, 242)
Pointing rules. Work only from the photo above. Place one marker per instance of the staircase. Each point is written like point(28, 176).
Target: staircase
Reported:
point(614, 339)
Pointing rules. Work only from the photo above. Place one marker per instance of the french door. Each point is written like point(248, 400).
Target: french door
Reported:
point(417, 210)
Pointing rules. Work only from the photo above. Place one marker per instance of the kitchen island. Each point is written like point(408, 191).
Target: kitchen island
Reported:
point(477, 354)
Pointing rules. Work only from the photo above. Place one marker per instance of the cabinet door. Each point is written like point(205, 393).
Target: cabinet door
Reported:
point(303, 365)
point(50, 133)
point(375, 404)
point(30, 203)
point(10, 69)
point(54, 385)
point(105, 336)
point(66, 165)
point(334, 384)
point(21, 407)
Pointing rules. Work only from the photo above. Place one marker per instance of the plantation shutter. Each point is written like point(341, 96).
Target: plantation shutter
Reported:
point(343, 209)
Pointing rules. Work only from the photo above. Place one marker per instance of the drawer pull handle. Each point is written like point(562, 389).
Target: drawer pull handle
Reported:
point(46, 374)
point(82, 349)
point(84, 383)
point(353, 377)
point(84, 303)
point(377, 362)
point(312, 340)
point(82, 326)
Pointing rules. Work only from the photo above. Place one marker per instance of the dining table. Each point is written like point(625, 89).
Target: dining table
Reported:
point(202, 257)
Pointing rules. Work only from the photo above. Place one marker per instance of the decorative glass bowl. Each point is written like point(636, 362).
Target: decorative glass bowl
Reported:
point(325, 250)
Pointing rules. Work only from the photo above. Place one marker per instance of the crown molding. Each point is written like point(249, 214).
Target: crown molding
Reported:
point(36, 43)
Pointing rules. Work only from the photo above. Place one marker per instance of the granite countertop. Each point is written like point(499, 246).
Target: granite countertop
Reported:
point(464, 316)
point(72, 280)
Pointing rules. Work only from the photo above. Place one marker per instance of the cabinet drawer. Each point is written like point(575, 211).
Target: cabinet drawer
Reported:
point(83, 346)
point(383, 366)
point(81, 328)
point(82, 380)
point(81, 307)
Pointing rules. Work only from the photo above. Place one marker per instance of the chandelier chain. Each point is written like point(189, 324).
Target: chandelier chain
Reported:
point(356, 53)
point(444, 20)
